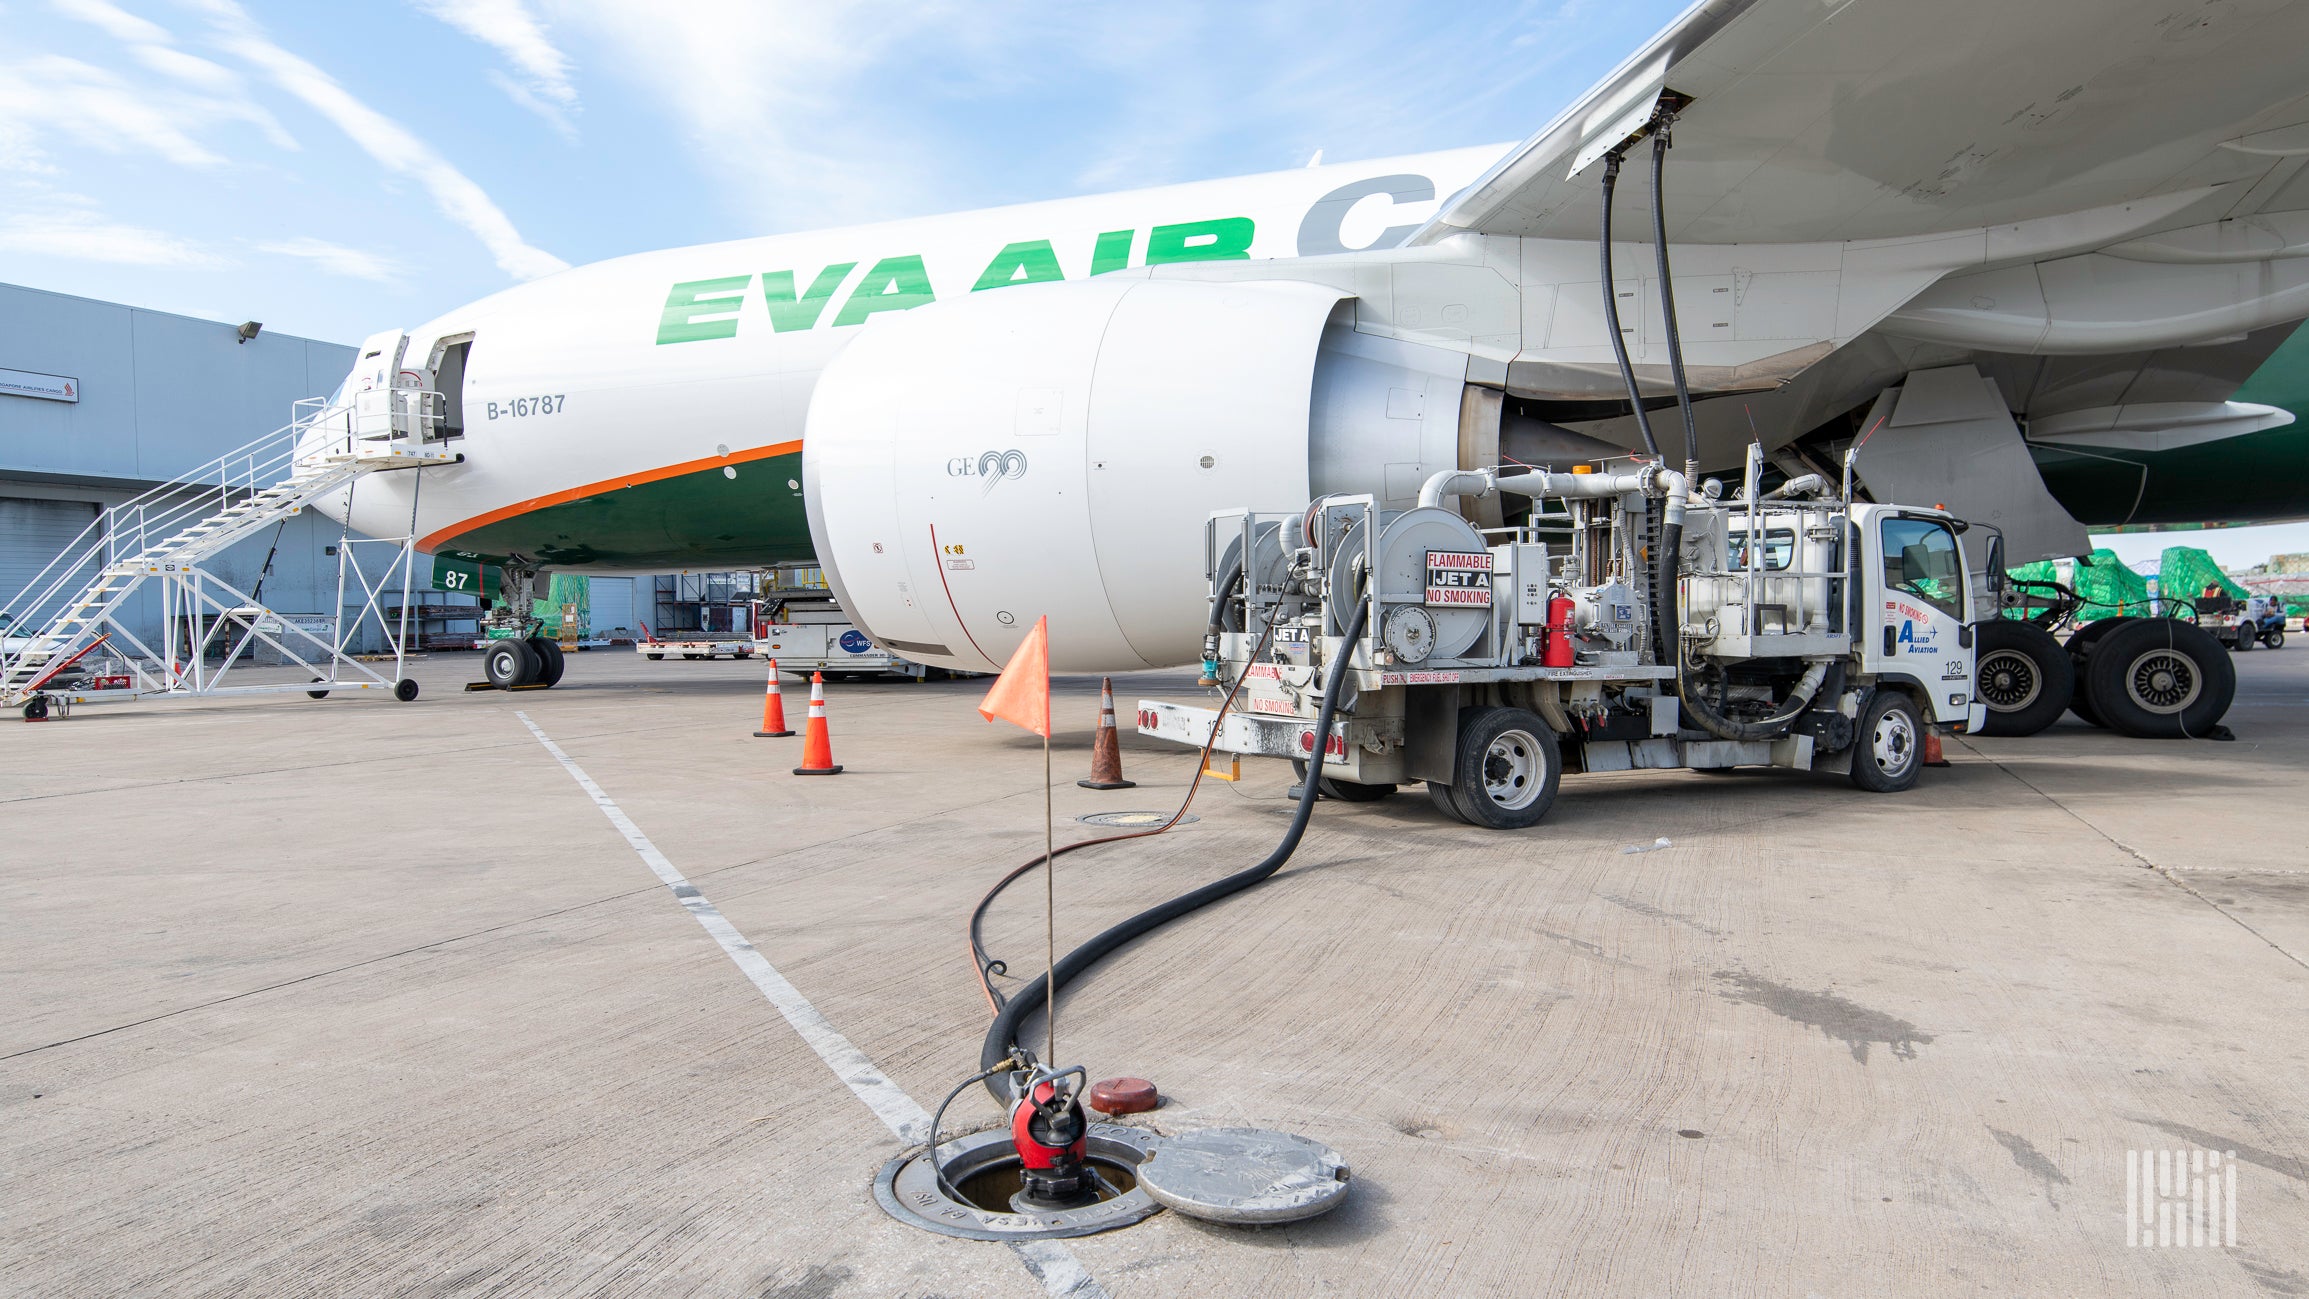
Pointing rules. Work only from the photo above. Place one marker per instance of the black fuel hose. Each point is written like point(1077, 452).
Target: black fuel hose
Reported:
point(1611, 310)
point(1002, 1036)
point(1668, 295)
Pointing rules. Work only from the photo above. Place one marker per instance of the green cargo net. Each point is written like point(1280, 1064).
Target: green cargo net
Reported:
point(570, 593)
point(2109, 589)
point(2185, 573)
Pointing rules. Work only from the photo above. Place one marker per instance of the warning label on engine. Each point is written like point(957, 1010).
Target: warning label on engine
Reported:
point(1459, 577)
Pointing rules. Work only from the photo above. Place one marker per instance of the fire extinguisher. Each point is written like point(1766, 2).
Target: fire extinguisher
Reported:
point(1557, 653)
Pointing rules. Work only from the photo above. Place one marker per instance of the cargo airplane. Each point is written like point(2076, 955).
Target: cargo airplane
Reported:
point(2044, 263)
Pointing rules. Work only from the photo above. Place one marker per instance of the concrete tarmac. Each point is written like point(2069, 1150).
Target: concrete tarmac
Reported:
point(362, 998)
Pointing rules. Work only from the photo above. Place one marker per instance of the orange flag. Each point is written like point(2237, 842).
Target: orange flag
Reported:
point(1021, 695)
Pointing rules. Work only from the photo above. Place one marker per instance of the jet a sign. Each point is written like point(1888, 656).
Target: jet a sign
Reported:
point(1459, 577)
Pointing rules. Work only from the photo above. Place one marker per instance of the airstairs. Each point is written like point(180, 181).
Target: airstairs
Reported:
point(169, 539)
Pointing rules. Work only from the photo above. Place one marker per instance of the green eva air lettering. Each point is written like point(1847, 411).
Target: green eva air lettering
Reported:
point(700, 309)
point(1030, 262)
point(894, 284)
point(1111, 252)
point(1226, 239)
point(788, 313)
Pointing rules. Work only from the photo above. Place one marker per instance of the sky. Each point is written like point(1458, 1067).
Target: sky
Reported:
point(336, 169)
point(331, 170)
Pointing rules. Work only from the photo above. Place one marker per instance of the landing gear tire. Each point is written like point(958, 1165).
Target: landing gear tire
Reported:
point(2023, 675)
point(1439, 793)
point(405, 690)
point(1510, 763)
point(2160, 679)
point(2080, 653)
point(549, 660)
point(1891, 746)
point(509, 663)
point(1346, 791)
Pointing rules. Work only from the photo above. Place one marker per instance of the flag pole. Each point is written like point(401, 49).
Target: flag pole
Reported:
point(1049, 914)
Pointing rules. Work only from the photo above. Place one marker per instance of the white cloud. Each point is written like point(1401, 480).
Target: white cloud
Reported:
point(337, 259)
point(513, 31)
point(50, 95)
point(219, 93)
point(392, 145)
point(71, 227)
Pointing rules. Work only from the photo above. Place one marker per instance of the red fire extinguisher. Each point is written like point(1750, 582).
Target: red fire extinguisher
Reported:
point(1557, 654)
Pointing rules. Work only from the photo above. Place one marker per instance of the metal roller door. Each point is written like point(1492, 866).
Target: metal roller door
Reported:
point(612, 604)
point(32, 533)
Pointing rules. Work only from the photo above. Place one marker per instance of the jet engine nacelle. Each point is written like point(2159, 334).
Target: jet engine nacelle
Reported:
point(1054, 450)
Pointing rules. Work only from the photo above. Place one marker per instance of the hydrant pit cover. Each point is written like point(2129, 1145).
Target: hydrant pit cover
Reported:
point(1245, 1175)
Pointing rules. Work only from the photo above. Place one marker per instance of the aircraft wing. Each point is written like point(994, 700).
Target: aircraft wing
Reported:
point(1819, 120)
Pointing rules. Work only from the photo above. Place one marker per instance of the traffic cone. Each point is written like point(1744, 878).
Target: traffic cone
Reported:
point(1106, 750)
point(1932, 754)
point(773, 710)
point(817, 745)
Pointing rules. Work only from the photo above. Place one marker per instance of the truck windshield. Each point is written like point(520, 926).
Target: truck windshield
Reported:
point(1921, 559)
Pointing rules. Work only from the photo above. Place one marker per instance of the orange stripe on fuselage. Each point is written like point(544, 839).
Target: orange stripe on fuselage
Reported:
point(532, 505)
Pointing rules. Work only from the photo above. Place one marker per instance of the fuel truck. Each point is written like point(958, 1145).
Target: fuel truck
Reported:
point(1628, 621)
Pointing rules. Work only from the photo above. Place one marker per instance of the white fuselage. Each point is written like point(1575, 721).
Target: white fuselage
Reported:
point(701, 361)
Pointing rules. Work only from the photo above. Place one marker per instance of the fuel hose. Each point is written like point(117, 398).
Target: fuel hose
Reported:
point(1002, 1036)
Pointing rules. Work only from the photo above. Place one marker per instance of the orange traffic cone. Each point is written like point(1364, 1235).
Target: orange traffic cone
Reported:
point(773, 710)
point(817, 745)
point(1932, 754)
point(1106, 750)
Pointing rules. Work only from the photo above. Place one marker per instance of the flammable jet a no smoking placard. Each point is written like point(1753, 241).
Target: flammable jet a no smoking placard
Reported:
point(1459, 577)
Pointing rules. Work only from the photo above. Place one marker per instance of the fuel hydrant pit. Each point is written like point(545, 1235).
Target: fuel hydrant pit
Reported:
point(985, 1171)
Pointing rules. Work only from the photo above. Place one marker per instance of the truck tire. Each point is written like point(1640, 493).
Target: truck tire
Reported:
point(1890, 749)
point(1439, 793)
point(1509, 765)
point(2274, 638)
point(509, 663)
point(2080, 650)
point(2023, 675)
point(550, 659)
point(2161, 678)
point(2242, 638)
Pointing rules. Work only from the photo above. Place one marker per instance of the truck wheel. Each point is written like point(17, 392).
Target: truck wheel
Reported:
point(2023, 675)
point(2242, 639)
point(1346, 791)
point(2161, 678)
point(659, 658)
point(2274, 638)
point(1509, 765)
point(2080, 652)
point(1439, 793)
point(550, 660)
point(509, 663)
point(1891, 751)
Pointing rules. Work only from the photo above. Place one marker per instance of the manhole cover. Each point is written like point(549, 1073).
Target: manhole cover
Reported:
point(982, 1171)
point(1134, 820)
point(1245, 1175)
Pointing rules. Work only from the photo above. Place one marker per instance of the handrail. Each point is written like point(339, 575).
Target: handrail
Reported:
point(320, 436)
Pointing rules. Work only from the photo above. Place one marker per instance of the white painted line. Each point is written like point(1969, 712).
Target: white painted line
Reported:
point(1052, 1263)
